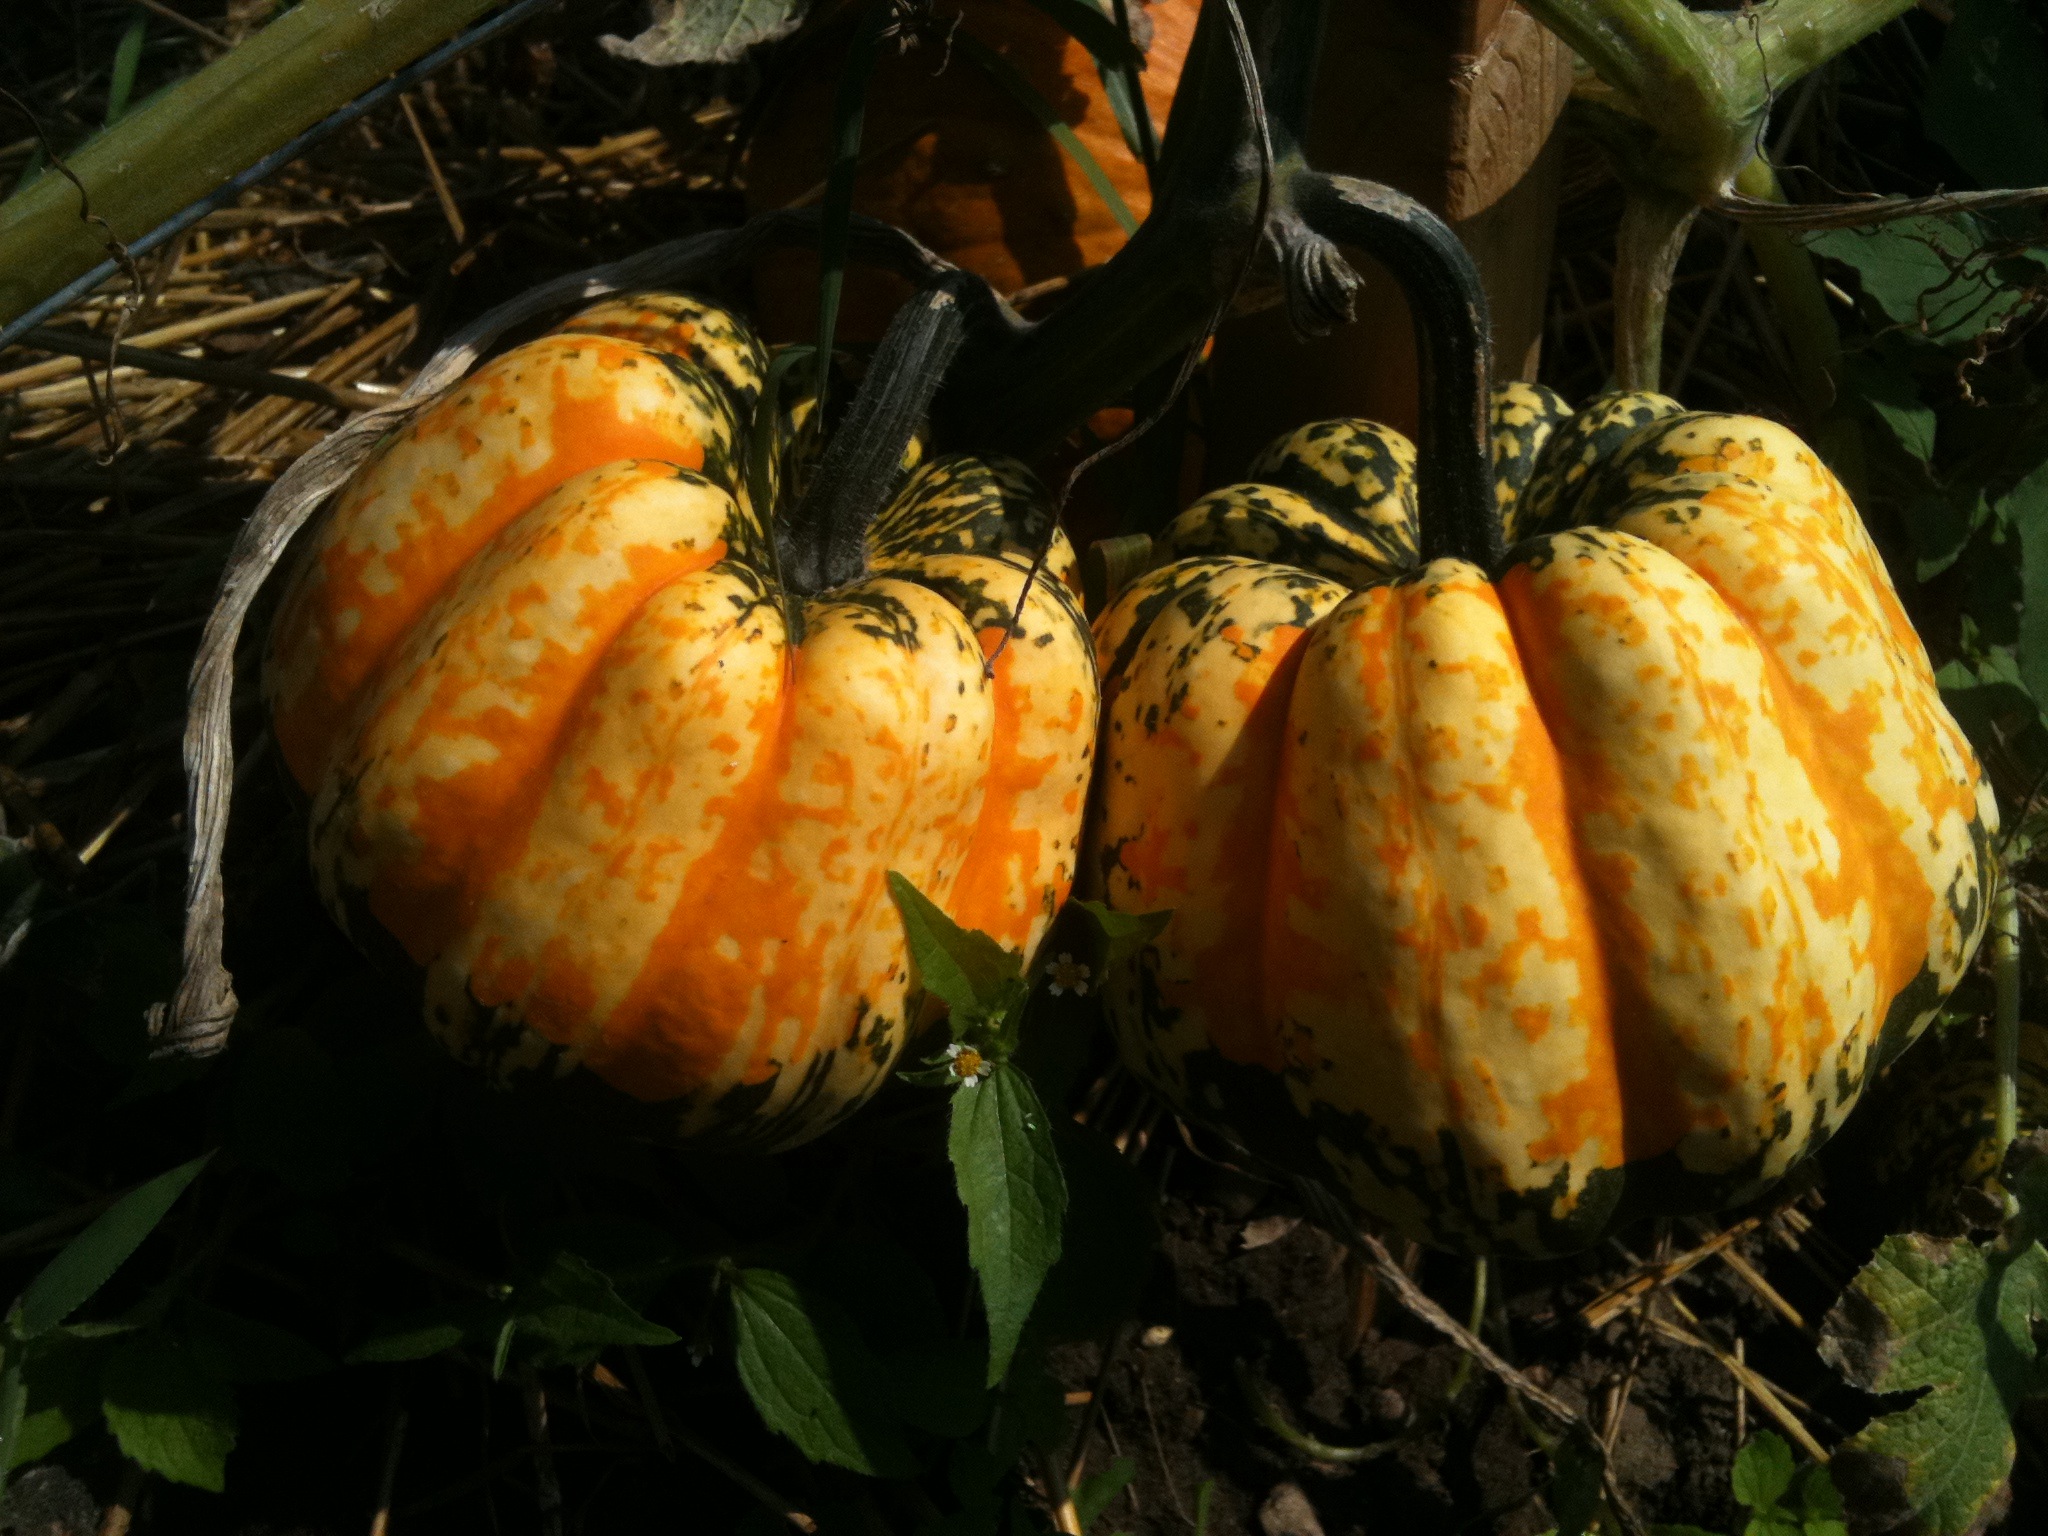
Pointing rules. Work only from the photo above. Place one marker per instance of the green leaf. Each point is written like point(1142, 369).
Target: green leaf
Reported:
point(171, 1416)
point(1820, 1504)
point(1985, 95)
point(1011, 79)
point(1763, 1472)
point(1888, 388)
point(2025, 507)
point(811, 1377)
point(1926, 272)
point(708, 31)
point(1009, 1178)
point(127, 57)
point(1955, 1320)
point(424, 1338)
point(1124, 933)
point(574, 1312)
point(963, 969)
point(240, 1349)
point(1578, 1469)
point(89, 1260)
point(1095, 1493)
point(61, 1374)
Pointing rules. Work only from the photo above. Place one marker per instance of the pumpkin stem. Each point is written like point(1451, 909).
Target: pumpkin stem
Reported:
point(1453, 348)
point(822, 539)
point(1161, 292)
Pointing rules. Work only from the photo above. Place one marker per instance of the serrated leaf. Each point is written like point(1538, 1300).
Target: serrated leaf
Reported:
point(241, 1349)
point(171, 1416)
point(574, 1311)
point(89, 1260)
point(963, 969)
point(1956, 1321)
point(1124, 933)
point(1763, 1471)
point(1985, 95)
point(423, 1338)
point(61, 1379)
point(1008, 1175)
point(1820, 1504)
point(811, 1377)
point(708, 31)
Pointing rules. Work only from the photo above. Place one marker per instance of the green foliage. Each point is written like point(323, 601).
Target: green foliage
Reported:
point(1987, 103)
point(969, 972)
point(171, 1415)
point(1096, 1493)
point(807, 1370)
point(564, 1313)
point(89, 1260)
point(1009, 1178)
point(1954, 1322)
point(1765, 1475)
point(1941, 424)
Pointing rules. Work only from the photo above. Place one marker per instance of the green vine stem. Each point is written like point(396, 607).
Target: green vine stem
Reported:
point(185, 141)
point(2005, 971)
point(1801, 303)
point(1647, 246)
point(1679, 102)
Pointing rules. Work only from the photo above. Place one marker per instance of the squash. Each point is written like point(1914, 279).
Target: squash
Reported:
point(949, 155)
point(622, 801)
point(1516, 898)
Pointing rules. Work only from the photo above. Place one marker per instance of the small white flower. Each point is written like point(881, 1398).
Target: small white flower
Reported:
point(1068, 975)
point(969, 1065)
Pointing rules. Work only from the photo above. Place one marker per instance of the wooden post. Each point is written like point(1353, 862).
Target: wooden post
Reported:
point(1454, 103)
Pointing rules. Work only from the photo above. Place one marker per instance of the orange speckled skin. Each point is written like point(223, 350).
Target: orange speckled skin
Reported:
point(1515, 908)
point(538, 677)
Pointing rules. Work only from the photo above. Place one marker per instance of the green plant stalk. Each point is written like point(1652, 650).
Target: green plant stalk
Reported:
point(191, 137)
point(1647, 246)
point(1685, 97)
point(1774, 44)
point(1474, 1320)
point(1801, 303)
point(2005, 1037)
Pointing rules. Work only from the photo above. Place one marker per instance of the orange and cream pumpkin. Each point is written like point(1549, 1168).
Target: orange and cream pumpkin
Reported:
point(1516, 902)
point(624, 802)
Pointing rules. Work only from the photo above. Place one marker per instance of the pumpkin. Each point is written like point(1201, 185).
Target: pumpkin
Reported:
point(621, 800)
point(1516, 902)
point(951, 156)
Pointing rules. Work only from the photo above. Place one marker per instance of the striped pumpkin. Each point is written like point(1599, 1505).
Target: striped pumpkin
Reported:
point(622, 801)
point(1517, 903)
